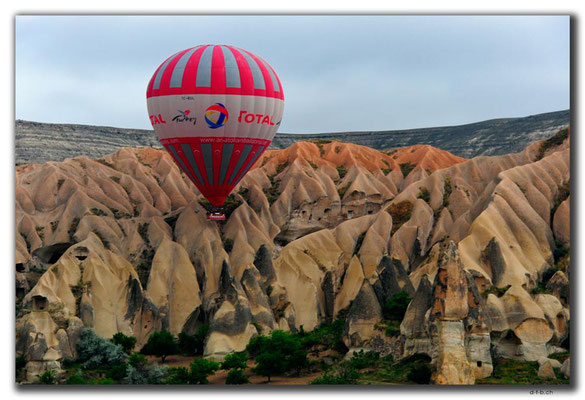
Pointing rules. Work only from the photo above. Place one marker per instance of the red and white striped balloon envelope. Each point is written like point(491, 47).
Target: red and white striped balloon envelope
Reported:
point(215, 108)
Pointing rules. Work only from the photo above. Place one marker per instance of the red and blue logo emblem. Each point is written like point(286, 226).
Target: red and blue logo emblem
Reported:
point(216, 115)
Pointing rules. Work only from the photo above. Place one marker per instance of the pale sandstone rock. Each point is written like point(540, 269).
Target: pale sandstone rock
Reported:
point(546, 370)
point(172, 285)
point(453, 368)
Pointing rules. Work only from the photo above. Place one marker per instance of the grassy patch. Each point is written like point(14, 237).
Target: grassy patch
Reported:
point(406, 168)
point(513, 372)
point(561, 357)
point(342, 171)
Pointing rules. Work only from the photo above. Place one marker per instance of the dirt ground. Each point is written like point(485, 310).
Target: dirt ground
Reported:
point(220, 376)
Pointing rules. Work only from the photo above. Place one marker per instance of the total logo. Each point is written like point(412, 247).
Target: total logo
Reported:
point(157, 119)
point(216, 116)
point(259, 119)
point(184, 117)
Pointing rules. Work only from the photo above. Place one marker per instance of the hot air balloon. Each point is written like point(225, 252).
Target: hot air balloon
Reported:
point(215, 108)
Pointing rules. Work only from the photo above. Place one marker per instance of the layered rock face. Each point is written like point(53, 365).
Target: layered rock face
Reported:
point(315, 232)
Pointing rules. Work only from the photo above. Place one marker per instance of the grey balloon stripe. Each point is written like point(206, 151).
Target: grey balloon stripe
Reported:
point(275, 84)
point(232, 71)
point(256, 72)
point(207, 152)
point(225, 161)
point(180, 160)
point(204, 68)
point(179, 70)
point(159, 74)
point(189, 153)
point(251, 163)
point(243, 156)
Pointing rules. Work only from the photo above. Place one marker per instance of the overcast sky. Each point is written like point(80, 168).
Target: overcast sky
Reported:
point(339, 73)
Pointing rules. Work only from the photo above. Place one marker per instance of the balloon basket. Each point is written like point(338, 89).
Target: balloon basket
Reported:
point(216, 215)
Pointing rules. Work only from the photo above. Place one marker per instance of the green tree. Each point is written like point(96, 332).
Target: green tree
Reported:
point(236, 377)
point(127, 342)
point(235, 360)
point(278, 353)
point(161, 344)
point(192, 345)
point(200, 369)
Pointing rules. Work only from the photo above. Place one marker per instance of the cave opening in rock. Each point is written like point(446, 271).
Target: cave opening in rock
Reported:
point(40, 303)
point(51, 254)
point(19, 267)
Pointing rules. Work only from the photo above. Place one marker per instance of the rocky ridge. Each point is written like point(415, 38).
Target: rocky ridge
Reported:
point(37, 142)
point(318, 231)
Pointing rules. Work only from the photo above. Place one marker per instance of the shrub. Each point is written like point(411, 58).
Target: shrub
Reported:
point(235, 360)
point(95, 351)
point(344, 375)
point(144, 374)
point(127, 342)
point(76, 380)
point(191, 345)
point(395, 307)
point(236, 377)
point(361, 359)
point(48, 377)
point(161, 344)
